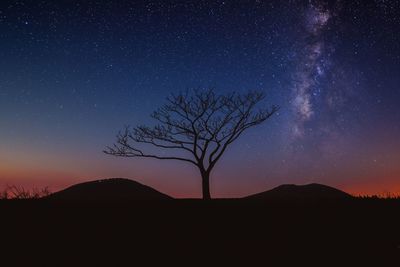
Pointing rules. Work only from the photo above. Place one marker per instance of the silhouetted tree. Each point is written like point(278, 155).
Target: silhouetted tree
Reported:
point(196, 127)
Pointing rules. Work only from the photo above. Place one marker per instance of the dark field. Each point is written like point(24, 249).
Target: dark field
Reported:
point(357, 232)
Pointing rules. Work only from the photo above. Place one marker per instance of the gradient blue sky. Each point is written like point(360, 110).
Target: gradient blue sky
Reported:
point(73, 73)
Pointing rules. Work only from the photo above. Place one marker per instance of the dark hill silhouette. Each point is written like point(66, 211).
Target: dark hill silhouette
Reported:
point(228, 232)
point(110, 190)
point(304, 192)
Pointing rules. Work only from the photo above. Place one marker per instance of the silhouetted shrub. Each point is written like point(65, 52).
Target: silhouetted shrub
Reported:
point(19, 192)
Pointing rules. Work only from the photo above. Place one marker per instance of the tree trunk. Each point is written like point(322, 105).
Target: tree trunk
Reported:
point(205, 177)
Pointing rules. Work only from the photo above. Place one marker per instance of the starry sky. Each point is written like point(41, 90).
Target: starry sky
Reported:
point(72, 73)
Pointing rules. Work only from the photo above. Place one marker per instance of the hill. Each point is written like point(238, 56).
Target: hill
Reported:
point(108, 190)
point(303, 192)
point(228, 232)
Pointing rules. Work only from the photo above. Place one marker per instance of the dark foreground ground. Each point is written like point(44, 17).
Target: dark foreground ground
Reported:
point(192, 233)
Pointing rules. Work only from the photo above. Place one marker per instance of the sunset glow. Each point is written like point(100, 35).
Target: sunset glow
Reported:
point(72, 75)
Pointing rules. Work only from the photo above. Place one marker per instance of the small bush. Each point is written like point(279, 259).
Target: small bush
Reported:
point(19, 192)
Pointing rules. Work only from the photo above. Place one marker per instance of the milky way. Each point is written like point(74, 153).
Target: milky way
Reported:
point(311, 66)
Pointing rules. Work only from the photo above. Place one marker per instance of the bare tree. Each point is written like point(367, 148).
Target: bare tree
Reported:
point(195, 127)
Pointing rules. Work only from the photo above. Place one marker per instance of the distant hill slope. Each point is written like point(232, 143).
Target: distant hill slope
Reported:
point(114, 189)
point(309, 191)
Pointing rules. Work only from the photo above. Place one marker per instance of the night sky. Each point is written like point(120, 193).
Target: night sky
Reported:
point(72, 73)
